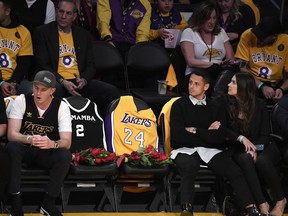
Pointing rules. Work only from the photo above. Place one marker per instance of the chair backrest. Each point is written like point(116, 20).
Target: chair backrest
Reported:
point(164, 122)
point(147, 60)
point(278, 120)
point(109, 63)
point(273, 119)
point(179, 64)
point(106, 57)
point(87, 124)
point(254, 8)
point(130, 124)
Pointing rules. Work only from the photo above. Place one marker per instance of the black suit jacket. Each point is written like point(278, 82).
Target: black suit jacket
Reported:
point(46, 50)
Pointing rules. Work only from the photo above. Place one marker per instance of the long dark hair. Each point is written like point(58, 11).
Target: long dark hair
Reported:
point(244, 102)
point(202, 14)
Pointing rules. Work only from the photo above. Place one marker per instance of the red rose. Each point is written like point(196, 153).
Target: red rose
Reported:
point(162, 157)
point(154, 154)
point(98, 161)
point(76, 159)
point(148, 149)
point(109, 158)
point(96, 151)
point(134, 156)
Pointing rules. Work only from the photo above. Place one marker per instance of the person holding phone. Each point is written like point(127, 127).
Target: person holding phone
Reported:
point(248, 128)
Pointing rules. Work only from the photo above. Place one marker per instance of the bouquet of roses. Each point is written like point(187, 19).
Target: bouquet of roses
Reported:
point(93, 156)
point(146, 157)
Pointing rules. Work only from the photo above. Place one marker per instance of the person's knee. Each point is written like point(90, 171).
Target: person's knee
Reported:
point(187, 168)
point(262, 161)
point(245, 159)
point(13, 147)
point(63, 156)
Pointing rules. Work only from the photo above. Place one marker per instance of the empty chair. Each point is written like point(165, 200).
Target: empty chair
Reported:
point(109, 63)
point(146, 63)
point(88, 132)
point(130, 123)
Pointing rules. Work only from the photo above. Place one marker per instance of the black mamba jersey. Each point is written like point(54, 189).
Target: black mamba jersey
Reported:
point(87, 126)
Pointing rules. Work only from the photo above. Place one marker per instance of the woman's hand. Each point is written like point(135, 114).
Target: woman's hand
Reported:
point(249, 146)
point(253, 154)
point(232, 35)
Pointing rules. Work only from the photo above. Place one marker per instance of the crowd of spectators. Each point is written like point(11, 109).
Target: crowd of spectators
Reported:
point(230, 53)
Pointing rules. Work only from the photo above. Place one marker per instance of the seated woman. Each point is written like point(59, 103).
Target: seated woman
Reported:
point(251, 146)
point(231, 20)
point(206, 45)
point(165, 16)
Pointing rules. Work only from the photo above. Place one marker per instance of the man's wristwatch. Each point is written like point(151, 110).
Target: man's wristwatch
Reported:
point(194, 130)
point(56, 145)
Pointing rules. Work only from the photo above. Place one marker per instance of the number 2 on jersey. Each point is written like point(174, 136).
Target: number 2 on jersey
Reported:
point(80, 130)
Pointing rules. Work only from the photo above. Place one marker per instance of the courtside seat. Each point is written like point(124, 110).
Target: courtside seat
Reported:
point(106, 169)
point(146, 63)
point(206, 180)
point(135, 178)
point(88, 132)
point(33, 179)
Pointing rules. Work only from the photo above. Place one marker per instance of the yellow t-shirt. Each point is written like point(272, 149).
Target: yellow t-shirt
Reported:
point(13, 42)
point(267, 63)
point(67, 65)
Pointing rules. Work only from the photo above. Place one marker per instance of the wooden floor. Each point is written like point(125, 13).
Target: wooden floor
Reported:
point(130, 214)
point(127, 214)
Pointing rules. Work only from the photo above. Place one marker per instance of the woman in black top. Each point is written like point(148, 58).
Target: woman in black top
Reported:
point(232, 20)
point(251, 146)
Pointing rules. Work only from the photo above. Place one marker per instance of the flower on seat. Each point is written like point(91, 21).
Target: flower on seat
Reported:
point(93, 156)
point(148, 156)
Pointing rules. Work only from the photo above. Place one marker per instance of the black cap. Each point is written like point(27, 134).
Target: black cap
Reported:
point(46, 78)
point(268, 26)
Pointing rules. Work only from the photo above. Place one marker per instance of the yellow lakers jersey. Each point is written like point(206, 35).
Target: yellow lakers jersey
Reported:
point(165, 113)
point(13, 42)
point(67, 65)
point(267, 63)
point(127, 128)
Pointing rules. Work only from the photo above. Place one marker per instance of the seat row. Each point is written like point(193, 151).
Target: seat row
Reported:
point(113, 179)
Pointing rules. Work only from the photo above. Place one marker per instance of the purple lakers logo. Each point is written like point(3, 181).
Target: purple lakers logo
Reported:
point(127, 119)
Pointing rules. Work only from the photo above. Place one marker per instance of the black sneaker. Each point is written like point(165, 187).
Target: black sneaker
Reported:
point(230, 208)
point(16, 206)
point(49, 209)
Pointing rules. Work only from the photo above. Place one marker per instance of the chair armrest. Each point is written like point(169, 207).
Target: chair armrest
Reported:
point(277, 137)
